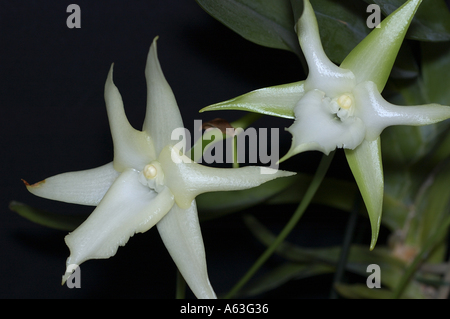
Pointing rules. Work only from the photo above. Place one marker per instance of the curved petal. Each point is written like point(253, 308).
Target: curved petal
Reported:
point(323, 74)
point(187, 179)
point(85, 187)
point(132, 148)
point(162, 116)
point(317, 128)
point(127, 208)
point(181, 234)
point(366, 166)
point(277, 100)
point(372, 59)
point(377, 113)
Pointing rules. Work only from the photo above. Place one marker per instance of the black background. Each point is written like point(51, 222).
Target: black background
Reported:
point(53, 120)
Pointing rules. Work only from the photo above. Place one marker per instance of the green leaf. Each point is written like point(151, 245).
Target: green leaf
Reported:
point(366, 166)
point(332, 192)
point(360, 291)
point(265, 22)
point(342, 26)
point(431, 23)
point(358, 260)
point(359, 256)
point(435, 68)
point(277, 100)
point(432, 205)
point(48, 219)
point(410, 153)
point(282, 274)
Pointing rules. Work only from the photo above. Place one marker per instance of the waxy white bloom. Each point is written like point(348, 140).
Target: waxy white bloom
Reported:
point(339, 109)
point(341, 106)
point(148, 183)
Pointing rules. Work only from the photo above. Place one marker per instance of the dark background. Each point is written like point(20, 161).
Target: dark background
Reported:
point(53, 120)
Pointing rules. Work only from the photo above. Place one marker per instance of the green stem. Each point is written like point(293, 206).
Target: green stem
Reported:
point(315, 183)
point(430, 244)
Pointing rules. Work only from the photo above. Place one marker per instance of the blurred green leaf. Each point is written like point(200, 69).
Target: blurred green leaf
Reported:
point(431, 23)
point(359, 257)
point(45, 218)
point(411, 152)
point(332, 192)
point(432, 205)
point(436, 68)
point(282, 274)
point(342, 25)
point(360, 291)
point(265, 22)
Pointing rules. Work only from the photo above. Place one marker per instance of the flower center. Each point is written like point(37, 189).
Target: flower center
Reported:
point(153, 176)
point(343, 106)
point(345, 101)
point(150, 171)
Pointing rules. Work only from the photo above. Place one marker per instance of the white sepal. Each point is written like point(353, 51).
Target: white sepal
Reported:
point(377, 113)
point(187, 179)
point(162, 116)
point(127, 208)
point(85, 187)
point(181, 234)
point(132, 148)
point(323, 74)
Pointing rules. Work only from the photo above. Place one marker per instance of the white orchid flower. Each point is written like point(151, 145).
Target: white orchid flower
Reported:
point(148, 183)
point(342, 106)
point(338, 107)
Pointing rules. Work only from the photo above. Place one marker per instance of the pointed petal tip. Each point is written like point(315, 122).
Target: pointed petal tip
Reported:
point(206, 108)
point(272, 171)
point(373, 242)
point(30, 187)
point(294, 150)
point(64, 278)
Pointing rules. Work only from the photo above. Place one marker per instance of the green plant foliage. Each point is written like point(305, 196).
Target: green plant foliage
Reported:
point(265, 22)
point(46, 218)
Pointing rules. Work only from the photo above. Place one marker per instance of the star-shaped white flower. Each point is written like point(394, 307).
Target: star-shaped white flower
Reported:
point(148, 183)
point(341, 106)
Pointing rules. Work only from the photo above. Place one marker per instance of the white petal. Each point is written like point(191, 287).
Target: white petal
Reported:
point(377, 113)
point(132, 148)
point(85, 187)
point(323, 74)
point(163, 115)
point(181, 234)
point(187, 179)
point(373, 58)
point(127, 208)
point(317, 128)
point(277, 100)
